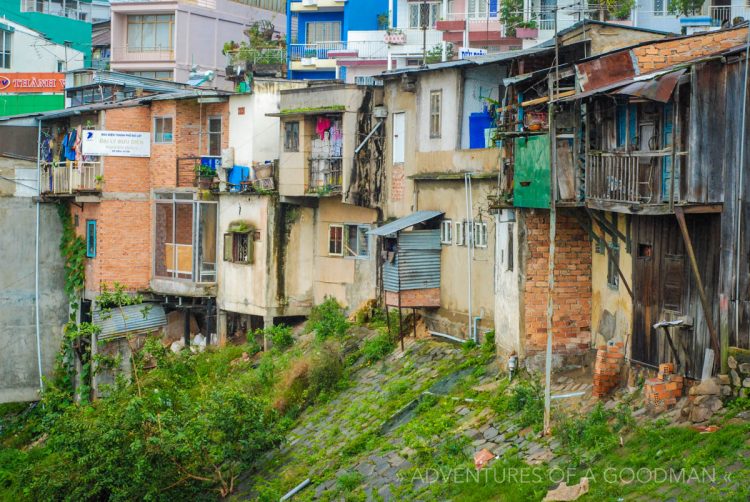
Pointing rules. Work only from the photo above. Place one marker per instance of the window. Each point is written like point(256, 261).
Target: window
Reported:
point(336, 240)
point(328, 31)
point(460, 233)
point(214, 136)
point(60, 66)
point(661, 7)
point(5, 46)
point(357, 241)
point(162, 129)
point(509, 249)
point(238, 247)
point(157, 75)
point(480, 235)
point(90, 238)
point(436, 98)
point(478, 9)
point(446, 231)
point(429, 16)
point(291, 136)
point(613, 261)
point(150, 33)
point(399, 136)
point(674, 269)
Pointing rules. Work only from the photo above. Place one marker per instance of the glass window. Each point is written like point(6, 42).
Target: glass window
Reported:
point(436, 98)
point(446, 231)
point(150, 33)
point(328, 31)
point(357, 240)
point(162, 129)
point(5, 47)
point(432, 13)
point(291, 136)
point(480, 235)
point(336, 240)
point(460, 233)
point(238, 247)
point(158, 75)
point(90, 238)
point(214, 136)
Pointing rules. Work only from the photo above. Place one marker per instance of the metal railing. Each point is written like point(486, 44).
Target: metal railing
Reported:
point(71, 176)
point(633, 178)
point(131, 53)
point(325, 174)
point(269, 56)
point(726, 13)
point(71, 9)
point(366, 49)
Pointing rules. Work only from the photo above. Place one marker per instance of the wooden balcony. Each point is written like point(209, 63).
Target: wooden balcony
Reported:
point(639, 181)
point(71, 177)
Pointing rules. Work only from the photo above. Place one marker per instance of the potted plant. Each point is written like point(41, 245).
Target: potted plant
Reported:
point(527, 29)
point(383, 21)
point(205, 176)
point(99, 180)
point(394, 36)
point(511, 16)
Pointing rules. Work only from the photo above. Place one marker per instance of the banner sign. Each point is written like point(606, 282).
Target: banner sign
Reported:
point(468, 52)
point(116, 143)
point(32, 82)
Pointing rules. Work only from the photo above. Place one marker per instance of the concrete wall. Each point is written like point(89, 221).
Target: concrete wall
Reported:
point(509, 317)
point(449, 82)
point(611, 308)
point(478, 85)
point(32, 52)
point(19, 377)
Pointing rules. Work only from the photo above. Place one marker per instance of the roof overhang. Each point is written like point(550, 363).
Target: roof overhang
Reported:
point(400, 224)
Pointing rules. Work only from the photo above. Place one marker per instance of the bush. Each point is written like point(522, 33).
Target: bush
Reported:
point(527, 399)
point(378, 347)
point(328, 320)
point(280, 336)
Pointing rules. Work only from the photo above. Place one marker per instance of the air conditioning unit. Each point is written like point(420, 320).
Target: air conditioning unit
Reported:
point(309, 3)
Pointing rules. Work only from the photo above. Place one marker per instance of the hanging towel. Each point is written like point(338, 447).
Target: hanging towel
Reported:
point(323, 125)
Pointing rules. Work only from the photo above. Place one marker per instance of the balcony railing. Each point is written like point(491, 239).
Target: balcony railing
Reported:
point(726, 13)
point(366, 49)
point(67, 178)
point(631, 178)
point(325, 175)
point(131, 53)
point(256, 56)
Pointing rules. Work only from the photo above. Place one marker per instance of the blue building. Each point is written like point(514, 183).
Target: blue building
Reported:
point(318, 36)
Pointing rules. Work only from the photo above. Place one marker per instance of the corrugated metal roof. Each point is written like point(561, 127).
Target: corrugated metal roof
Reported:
point(132, 318)
point(656, 89)
point(405, 222)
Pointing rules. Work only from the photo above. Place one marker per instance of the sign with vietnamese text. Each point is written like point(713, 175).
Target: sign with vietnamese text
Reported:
point(116, 143)
point(31, 82)
point(468, 52)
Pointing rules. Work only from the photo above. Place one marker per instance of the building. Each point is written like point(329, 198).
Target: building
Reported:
point(31, 69)
point(184, 40)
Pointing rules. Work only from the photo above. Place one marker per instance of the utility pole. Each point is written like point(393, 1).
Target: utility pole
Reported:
point(424, 20)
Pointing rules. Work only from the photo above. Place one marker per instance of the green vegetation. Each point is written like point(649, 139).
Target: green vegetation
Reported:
point(320, 109)
point(280, 336)
point(73, 251)
point(328, 320)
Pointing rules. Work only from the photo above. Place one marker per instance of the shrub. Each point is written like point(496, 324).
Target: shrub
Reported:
point(527, 399)
point(378, 347)
point(328, 320)
point(280, 336)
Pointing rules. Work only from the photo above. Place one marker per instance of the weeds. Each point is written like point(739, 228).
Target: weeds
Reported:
point(378, 347)
point(328, 320)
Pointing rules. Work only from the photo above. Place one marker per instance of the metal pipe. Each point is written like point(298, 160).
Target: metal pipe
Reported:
point(449, 337)
point(361, 145)
point(738, 229)
point(467, 240)
point(291, 493)
point(36, 259)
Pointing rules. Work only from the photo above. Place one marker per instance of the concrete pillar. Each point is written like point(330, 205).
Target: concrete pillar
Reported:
point(267, 323)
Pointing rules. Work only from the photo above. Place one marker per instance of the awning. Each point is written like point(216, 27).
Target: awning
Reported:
point(118, 321)
point(405, 222)
point(657, 89)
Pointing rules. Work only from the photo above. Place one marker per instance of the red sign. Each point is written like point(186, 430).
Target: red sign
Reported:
point(32, 82)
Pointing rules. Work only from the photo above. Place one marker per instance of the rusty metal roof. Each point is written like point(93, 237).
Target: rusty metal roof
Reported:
point(656, 89)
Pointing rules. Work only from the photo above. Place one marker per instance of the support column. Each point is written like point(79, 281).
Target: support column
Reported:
point(267, 323)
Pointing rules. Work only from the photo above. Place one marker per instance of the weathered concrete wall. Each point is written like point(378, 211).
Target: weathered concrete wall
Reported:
point(611, 307)
point(19, 377)
point(508, 313)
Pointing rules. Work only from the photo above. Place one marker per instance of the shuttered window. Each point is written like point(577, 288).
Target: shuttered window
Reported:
point(674, 270)
point(436, 99)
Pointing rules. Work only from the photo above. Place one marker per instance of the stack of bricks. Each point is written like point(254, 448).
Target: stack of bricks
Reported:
point(664, 390)
point(607, 368)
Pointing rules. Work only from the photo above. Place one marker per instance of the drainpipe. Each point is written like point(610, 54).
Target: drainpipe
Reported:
point(475, 327)
point(468, 240)
point(36, 258)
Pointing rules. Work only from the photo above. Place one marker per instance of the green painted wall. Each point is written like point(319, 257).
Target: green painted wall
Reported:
point(15, 104)
point(531, 176)
point(56, 28)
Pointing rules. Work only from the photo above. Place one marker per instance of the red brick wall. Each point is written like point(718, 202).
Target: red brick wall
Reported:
point(398, 182)
point(414, 298)
point(572, 293)
point(127, 174)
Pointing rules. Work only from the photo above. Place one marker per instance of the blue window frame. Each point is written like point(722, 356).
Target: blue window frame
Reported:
point(90, 238)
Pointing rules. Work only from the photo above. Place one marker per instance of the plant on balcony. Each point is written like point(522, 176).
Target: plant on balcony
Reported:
point(205, 176)
point(99, 180)
point(527, 29)
point(383, 21)
point(511, 15)
point(309, 53)
point(685, 7)
point(435, 55)
point(618, 10)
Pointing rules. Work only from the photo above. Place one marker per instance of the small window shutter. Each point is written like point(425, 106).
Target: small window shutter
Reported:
point(228, 248)
point(250, 248)
point(674, 270)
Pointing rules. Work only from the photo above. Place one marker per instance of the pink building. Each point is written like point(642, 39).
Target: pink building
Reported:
point(168, 39)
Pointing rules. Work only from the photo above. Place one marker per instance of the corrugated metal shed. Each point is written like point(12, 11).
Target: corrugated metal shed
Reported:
point(416, 264)
point(405, 222)
point(130, 319)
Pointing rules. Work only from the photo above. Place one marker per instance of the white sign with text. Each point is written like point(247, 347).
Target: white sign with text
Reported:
point(116, 143)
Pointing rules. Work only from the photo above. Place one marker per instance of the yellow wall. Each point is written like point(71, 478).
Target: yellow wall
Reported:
point(612, 308)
